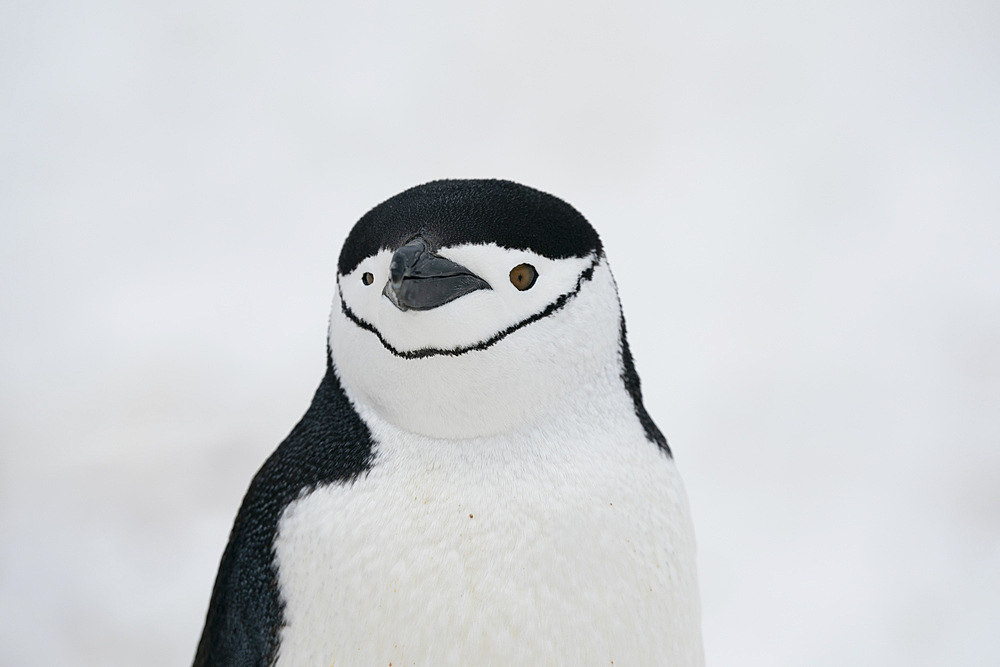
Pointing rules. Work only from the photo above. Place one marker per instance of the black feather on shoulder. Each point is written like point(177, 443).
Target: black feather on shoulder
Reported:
point(632, 385)
point(330, 444)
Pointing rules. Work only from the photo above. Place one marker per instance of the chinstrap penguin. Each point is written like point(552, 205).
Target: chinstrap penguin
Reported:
point(477, 481)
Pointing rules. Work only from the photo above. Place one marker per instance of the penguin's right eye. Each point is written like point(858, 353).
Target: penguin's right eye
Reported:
point(523, 276)
point(367, 278)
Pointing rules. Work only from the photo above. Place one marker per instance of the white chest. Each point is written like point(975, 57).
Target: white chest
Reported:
point(569, 546)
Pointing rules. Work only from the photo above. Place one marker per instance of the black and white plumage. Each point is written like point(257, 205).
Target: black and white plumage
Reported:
point(477, 481)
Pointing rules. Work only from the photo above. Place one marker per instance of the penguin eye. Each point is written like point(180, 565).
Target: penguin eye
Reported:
point(523, 276)
point(367, 278)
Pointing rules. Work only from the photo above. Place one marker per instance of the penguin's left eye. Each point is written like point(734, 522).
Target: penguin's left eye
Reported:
point(523, 276)
point(367, 278)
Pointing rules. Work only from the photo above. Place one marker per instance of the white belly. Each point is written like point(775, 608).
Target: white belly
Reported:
point(550, 550)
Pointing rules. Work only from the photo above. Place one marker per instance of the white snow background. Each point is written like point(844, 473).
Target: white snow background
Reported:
point(800, 201)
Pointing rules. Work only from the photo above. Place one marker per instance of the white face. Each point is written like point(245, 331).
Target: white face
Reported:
point(490, 361)
point(471, 319)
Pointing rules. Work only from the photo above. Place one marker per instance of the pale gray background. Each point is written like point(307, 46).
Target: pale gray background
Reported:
point(799, 200)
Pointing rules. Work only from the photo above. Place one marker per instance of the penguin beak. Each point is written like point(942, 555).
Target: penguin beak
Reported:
point(421, 280)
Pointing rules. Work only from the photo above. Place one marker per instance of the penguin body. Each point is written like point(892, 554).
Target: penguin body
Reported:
point(477, 481)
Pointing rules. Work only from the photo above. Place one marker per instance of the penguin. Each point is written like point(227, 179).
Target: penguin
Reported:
point(477, 480)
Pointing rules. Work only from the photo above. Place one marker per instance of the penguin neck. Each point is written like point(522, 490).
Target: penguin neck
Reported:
point(598, 411)
point(483, 404)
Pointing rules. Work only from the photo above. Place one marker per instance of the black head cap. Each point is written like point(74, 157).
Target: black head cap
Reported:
point(455, 212)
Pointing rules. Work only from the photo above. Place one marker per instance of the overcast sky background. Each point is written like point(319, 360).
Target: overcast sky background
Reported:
point(799, 201)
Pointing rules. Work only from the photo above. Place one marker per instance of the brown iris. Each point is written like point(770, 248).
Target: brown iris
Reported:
point(523, 276)
point(367, 278)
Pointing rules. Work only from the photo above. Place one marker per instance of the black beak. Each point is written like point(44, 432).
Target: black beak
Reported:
point(420, 280)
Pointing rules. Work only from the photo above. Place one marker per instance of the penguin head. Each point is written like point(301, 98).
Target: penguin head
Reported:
point(469, 308)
